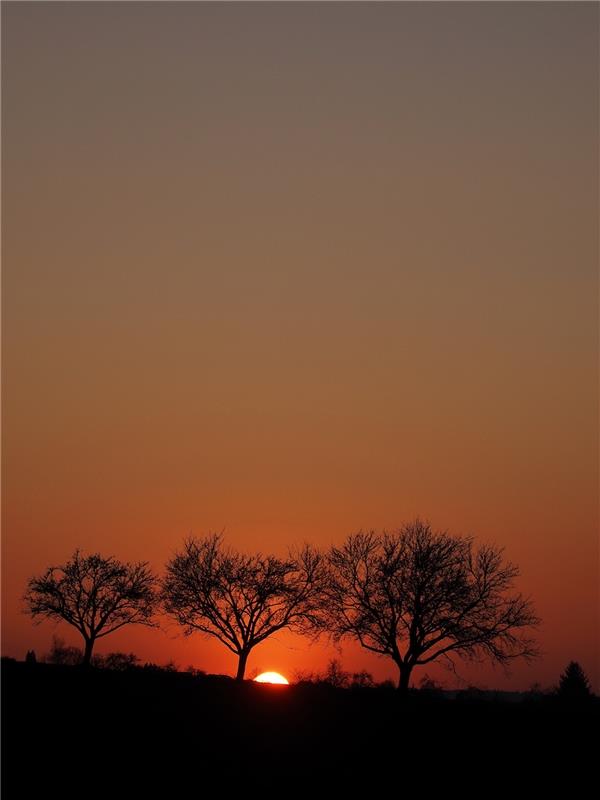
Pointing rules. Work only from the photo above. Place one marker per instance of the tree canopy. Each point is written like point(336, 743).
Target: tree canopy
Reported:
point(95, 594)
point(241, 599)
point(417, 596)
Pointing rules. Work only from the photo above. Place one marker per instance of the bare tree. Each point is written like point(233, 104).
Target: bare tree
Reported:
point(96, 595)
point(63, 654)
point(417, 596)
point(239, 599)
point(335, 675)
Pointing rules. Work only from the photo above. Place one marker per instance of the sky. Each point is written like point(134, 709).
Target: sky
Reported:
point(292, 270)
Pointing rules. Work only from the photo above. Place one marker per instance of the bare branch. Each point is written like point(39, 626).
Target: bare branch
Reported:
point(416, 595)
point(242, 600)
point(96, 595)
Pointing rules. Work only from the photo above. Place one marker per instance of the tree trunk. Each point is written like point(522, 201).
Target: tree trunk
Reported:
point(405, 670)
point(243, 657)
point(87, 653)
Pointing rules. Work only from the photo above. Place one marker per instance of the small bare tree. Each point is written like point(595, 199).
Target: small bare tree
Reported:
point(63, 654)
point(417, 596)
point(96, 595)
point(239, 599)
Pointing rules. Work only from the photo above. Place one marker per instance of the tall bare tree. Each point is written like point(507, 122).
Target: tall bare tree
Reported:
point(96, 595)
point(240, 599)
point(417, 596)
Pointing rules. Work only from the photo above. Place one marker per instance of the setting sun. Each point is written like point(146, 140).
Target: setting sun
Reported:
point(271, 677)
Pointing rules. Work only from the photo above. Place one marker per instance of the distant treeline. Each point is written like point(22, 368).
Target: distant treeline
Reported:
point(571, 691)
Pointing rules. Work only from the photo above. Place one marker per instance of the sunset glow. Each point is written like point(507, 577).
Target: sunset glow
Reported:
point(271, 677)
point(293, 270)
point(300, 370)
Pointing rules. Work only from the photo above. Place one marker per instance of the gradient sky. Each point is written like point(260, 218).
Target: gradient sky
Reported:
point(292, 270)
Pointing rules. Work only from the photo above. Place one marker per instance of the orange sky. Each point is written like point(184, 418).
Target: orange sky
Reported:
point(294, 270)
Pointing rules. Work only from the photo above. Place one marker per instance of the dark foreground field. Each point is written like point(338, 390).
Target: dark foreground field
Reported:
point(71, 733)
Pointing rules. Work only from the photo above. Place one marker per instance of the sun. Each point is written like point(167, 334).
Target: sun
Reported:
point(271, 677)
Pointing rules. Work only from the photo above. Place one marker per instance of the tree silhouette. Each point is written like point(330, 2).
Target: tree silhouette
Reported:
point(96, 595)
point(239, 599)
point(574, 684)
point(63, 654)
point(335, 675)
point(417, 596)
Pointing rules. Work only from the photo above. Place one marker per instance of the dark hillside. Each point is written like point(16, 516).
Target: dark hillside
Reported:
point(63, 726)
